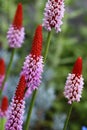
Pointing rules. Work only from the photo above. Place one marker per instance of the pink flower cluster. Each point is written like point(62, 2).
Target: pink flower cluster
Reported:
point(15, 34)
point(33, 68)
point(16, 109)
point(54, 12)
point(74, 84)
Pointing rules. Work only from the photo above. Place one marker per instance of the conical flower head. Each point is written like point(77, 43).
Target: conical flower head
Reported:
point(33, 65)
point(37, 42)
point(17, 22)
point(74, 84)
point(4, 107)
point(2, 71)
point(20, 91)
point(15, 34)
point(53, 14)
point(77, 69)
point(16, 109)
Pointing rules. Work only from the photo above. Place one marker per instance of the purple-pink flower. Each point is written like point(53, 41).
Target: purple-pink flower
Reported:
point(2, 71)
point(53, 14)
point(33, 65)
point(74, 84)
point(16, 109)
point(4, 107)
point(15, 34)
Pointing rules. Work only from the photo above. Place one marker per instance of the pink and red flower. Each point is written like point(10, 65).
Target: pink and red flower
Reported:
point(33, 65)
point(16, 109)
point(74, 84)
point(15, 34)
point(53, 14)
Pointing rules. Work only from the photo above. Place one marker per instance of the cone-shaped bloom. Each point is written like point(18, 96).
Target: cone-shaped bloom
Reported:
point(4, 107)
point(2, 71)
point(33, 65)
point(74, 83)
point(16, 109)
point(15, 34)
point(54, 12)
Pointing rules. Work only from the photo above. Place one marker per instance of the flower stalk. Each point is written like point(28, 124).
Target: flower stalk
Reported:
point(30, 110)
point(74, 87)
point(27, 123)
point(47, 45)
point(2, 122)
point(68, 117)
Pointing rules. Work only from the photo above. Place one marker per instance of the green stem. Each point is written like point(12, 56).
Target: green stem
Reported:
point(35, 92)
point(2, 123)
point(30, 110)
point(68, 117)
point(7, 72)
point(47, 45)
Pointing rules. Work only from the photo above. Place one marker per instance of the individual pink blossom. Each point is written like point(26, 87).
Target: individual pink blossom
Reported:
point(16, 109)
point(53, 14)
point(15, 34)
point(4, 107)
point(74, 83)
point(2, 71)
point(33, 65)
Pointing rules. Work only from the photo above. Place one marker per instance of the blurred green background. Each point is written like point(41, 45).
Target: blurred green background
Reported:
point(64, 50)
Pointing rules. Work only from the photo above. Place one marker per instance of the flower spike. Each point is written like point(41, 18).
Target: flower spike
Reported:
point(16, 109)
point(74, 84)
point(54, 12)
point(15, 34)
point(4, 107)
point(2, 71)
point(33, 65)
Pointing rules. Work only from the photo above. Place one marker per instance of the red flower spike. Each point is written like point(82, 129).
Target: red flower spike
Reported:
point(77, 69)
point(17, 22)
point(37, 42)
point(16, 110)
point(2, 67)
point(4, 104)
point(20, 91)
